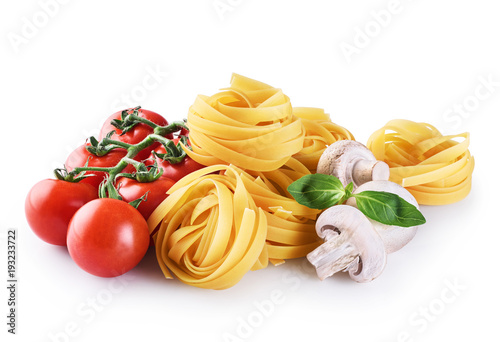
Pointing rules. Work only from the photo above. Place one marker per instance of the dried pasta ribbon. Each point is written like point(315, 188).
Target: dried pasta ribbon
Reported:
point(250, 125)
point(436, 169)
point(320, 132)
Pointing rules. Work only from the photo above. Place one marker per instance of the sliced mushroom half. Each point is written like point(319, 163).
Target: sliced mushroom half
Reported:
point(351, 244)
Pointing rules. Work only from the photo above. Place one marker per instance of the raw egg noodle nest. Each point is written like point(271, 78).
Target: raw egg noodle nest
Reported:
point(220, 222)
point(239, 126)
point(436, 169)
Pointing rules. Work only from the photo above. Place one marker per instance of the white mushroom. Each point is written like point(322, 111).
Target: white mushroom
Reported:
point(351, 244)
point(394, 237)
point(351, 161)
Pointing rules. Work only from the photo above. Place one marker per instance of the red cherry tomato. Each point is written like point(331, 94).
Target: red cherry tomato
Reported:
point(179, 170)
point(131, 190)
point(79, 157)
point(136, 134)
point(107, 237)
point(51, 203)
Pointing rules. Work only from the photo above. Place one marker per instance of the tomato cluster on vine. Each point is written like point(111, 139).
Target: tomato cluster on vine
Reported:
point(100, 202)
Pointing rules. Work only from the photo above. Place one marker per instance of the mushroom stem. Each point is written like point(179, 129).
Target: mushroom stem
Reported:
point(367, 170)
point(333, 256)
point(351, 161)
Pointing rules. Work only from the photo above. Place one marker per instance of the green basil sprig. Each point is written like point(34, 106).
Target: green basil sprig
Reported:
point(320, 191)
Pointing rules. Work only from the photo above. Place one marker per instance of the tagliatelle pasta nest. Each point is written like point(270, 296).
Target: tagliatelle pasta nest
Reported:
point(249, 125)
point(436, 169)
point(216, 227)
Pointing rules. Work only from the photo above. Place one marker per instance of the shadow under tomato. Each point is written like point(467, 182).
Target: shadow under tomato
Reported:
point(148, 267)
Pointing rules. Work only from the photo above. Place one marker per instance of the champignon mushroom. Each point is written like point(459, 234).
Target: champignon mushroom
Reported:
point(351, 161)
point(394, 237)
point(351, 244)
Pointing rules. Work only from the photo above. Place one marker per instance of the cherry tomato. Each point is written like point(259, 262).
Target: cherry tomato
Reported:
point(51, 203)
point(131, 190)
point(79, 157)
point(179, 170)
point(136, 134)
point(107, 237)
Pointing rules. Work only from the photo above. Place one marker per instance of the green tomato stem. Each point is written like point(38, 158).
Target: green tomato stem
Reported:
point(78, 170)
point(117, 143)
point(164, 130)
point(132, 150)
point(144, 121)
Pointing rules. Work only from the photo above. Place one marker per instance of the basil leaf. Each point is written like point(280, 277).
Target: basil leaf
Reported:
point(317, 191)
point(388, 208)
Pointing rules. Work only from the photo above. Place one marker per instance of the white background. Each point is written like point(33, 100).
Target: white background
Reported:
point(64, 72)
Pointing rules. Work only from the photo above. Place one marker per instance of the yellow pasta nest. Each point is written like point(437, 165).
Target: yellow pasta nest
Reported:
point(436, 169)
point(249, 125)
point(215, 227)
point(320, 133)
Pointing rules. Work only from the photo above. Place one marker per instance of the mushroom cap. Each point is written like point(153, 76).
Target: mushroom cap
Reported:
point(340, 158)
point(394, 237)
point(349, 220)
